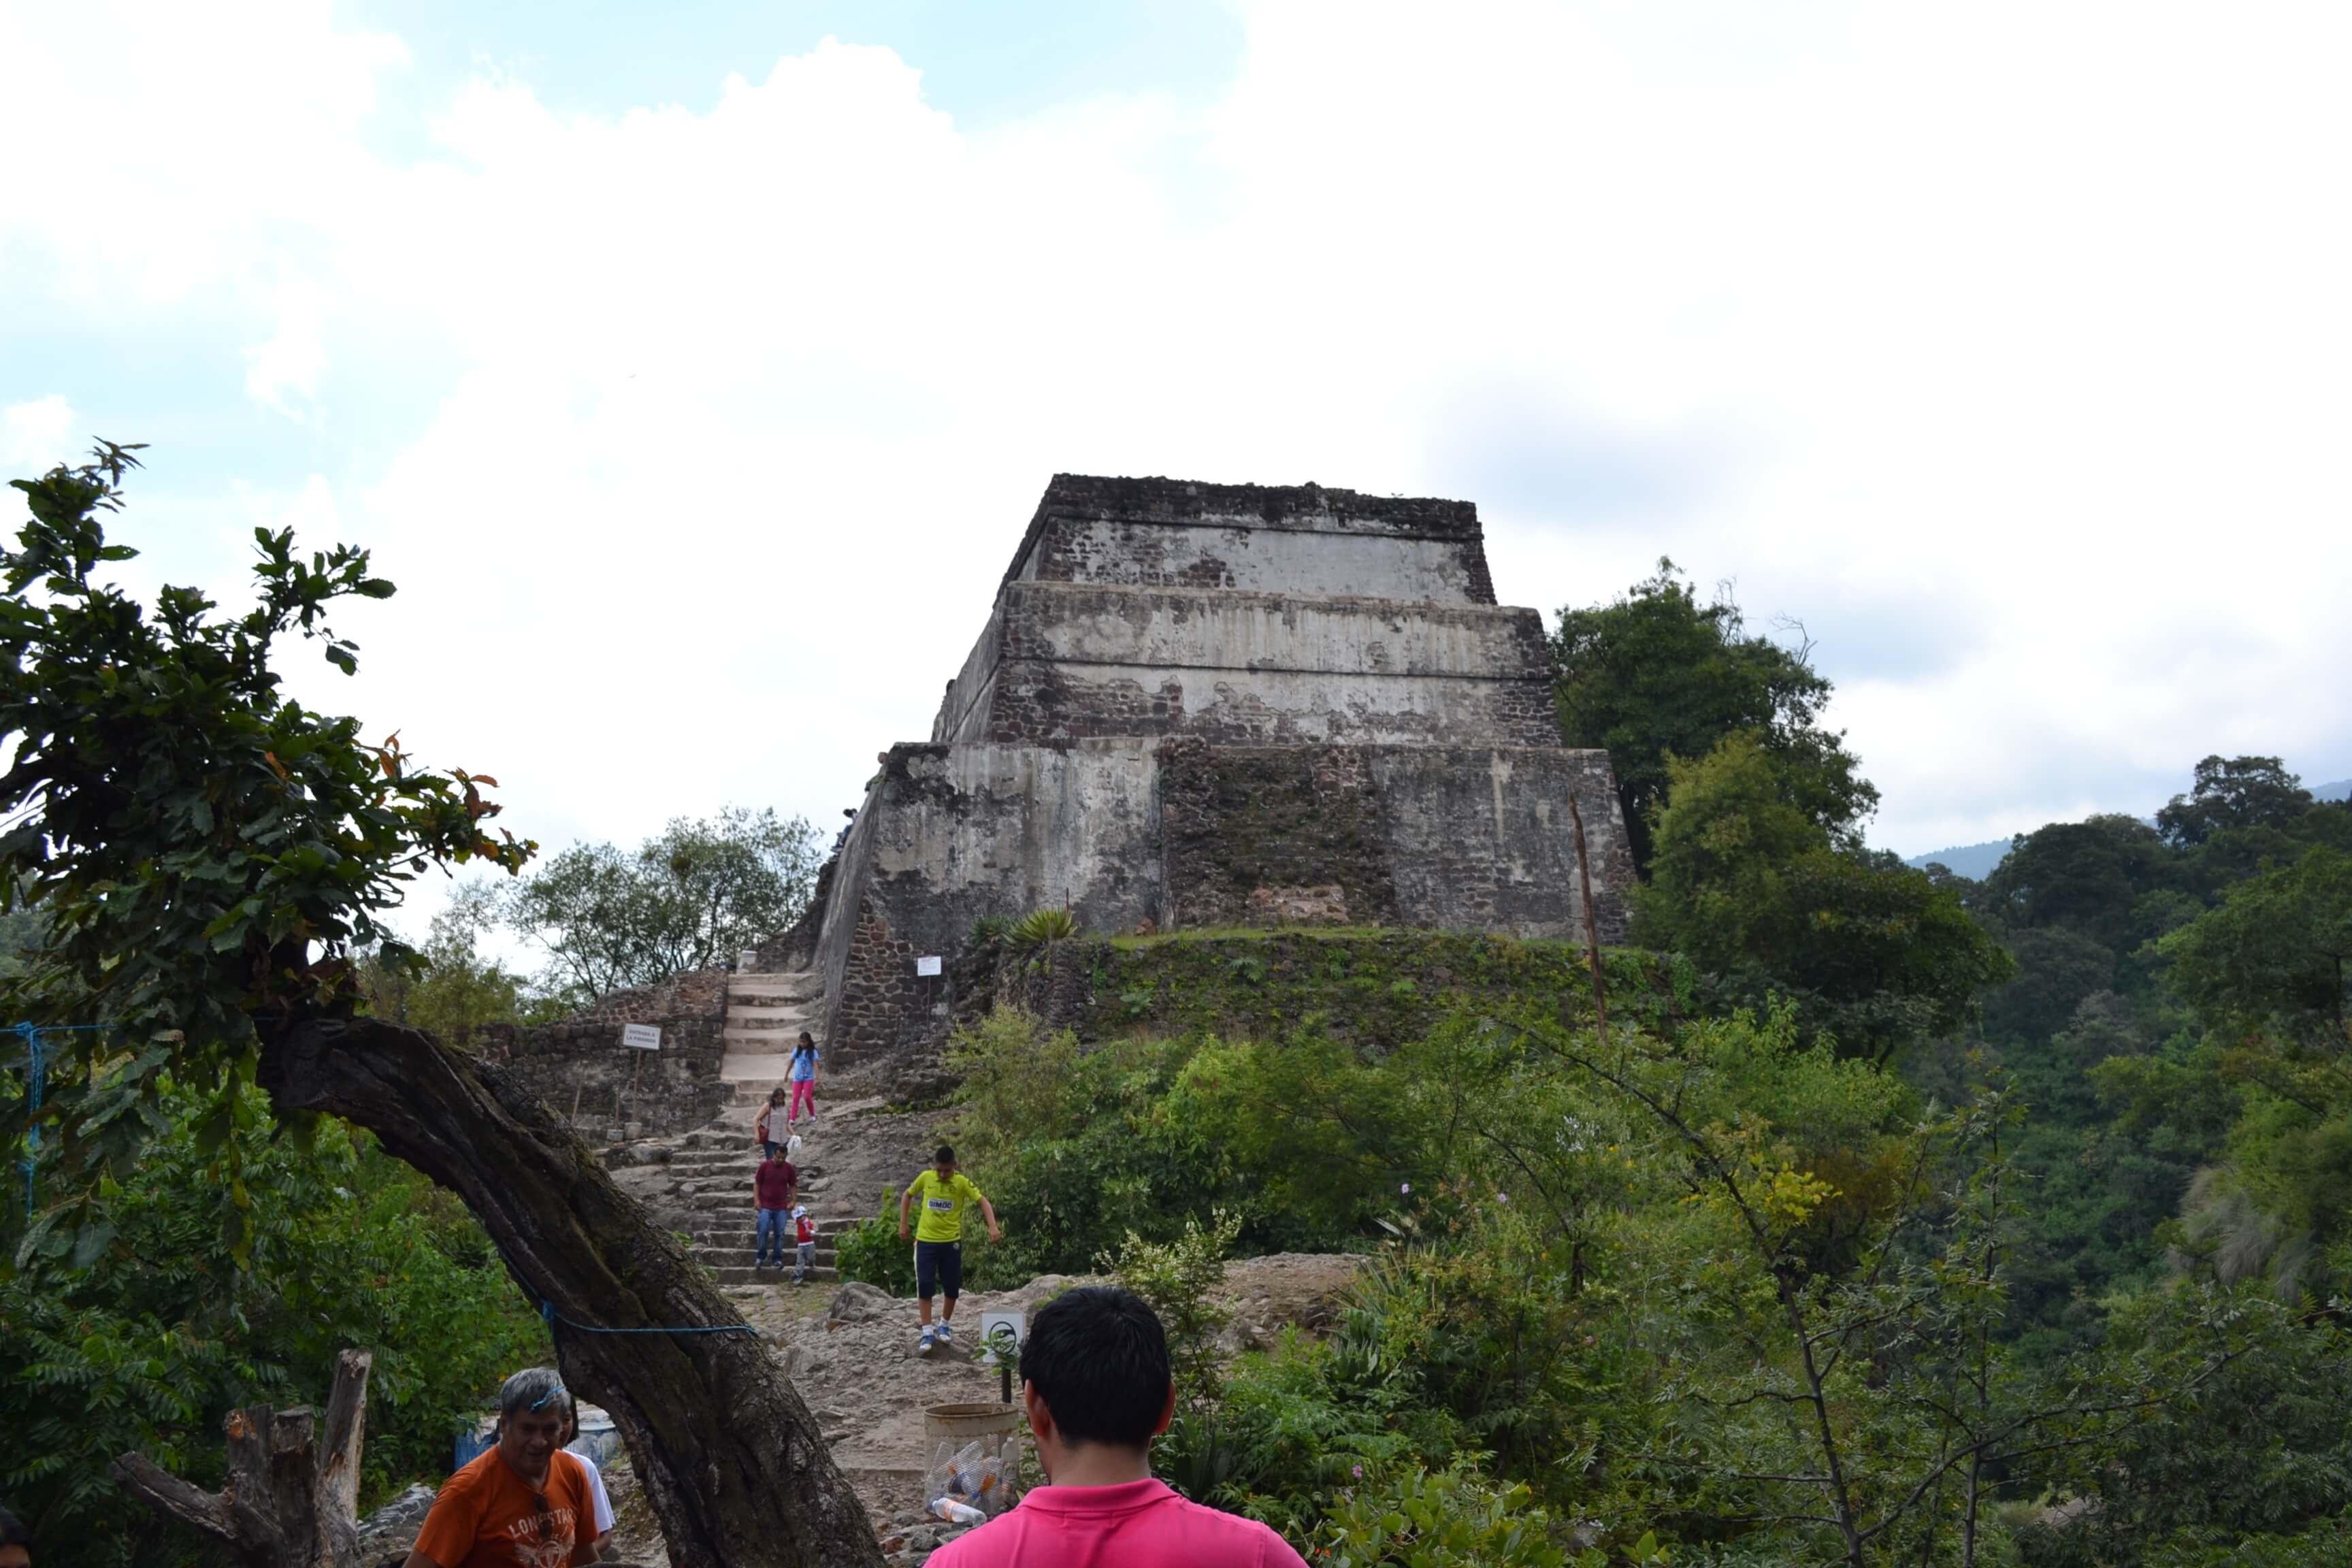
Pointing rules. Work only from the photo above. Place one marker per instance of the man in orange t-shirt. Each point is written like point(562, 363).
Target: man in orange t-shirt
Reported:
point(525, 1503)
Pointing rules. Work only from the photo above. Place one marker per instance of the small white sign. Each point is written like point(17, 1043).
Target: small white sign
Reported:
point(993, 1324)
point(930, 965)
point(641, 1037)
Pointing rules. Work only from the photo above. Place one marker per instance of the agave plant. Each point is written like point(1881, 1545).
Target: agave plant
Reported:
point(1040, 926)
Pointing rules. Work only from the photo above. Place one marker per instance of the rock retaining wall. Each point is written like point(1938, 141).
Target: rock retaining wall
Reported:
point(613, 1093)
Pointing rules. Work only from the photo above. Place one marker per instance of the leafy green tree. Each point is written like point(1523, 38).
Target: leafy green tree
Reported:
point(149, 1344)
point(2276, 956)
point(206, 850)
point(2234, 792)
point(2266, 973)
point(1747, 884)
point(212, 859)
point(1657, 675)
point(457, 990)
point(2104, 877)
point(690, 898)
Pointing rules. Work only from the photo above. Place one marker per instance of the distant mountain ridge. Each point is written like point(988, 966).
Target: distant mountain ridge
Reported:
point(1976, 861)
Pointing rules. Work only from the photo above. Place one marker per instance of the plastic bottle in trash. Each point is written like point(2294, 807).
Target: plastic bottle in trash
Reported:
point(956, 1512)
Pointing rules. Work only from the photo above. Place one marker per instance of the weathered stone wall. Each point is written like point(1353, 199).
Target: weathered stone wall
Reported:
point(950, 834)
point(579, 1066)
point(1065, 661)
point(1262, 539)
point(1241, 826)
point(1184, 835)
point(1454, 838)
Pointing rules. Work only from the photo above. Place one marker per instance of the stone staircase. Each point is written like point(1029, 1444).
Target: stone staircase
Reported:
point(714, 1165)
point(765, 1015)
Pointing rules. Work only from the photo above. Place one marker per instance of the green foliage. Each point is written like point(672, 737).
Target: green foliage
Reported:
point(1378, 989)
point(1041, 928)
point(204, 849)
point(2276, 957)
point(2102, 877)
point(2233, 793)
point(457, 991)
point(1176, 1278)
point(149, 1342)
point(692, 898)
point(1752, 888)
point(870, 1250)
point(1016, 1083)
point(1447, 1519)
point(1656, 676)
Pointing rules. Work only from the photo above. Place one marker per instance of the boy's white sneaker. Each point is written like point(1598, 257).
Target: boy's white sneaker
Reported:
point(947, 1333)
point(929, 1343)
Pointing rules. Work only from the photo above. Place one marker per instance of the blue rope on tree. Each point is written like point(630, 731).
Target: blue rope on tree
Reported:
point(547, 1310)
point(37, 1078)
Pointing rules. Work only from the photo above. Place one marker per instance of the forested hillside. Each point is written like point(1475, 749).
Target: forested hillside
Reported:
point(1891, 1217)
point(1855, 1214)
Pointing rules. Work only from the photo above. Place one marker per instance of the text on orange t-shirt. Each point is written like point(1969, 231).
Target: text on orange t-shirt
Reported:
point(488, 1517)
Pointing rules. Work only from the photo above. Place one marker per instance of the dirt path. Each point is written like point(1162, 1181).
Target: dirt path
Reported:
point(850, 1349)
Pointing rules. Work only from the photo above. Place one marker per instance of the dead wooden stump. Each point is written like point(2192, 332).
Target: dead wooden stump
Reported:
point(292, 1494)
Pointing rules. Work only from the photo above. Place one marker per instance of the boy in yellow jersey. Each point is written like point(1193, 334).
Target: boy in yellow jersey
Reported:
point(943, 1192)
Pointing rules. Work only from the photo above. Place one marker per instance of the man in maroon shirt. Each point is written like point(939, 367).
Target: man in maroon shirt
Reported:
point(772, 1185)
point(1094, 1379)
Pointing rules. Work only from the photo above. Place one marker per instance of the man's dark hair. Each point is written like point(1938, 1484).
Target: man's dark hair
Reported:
point(942, 1155)
point(13, 1531)
point(1098, 1358)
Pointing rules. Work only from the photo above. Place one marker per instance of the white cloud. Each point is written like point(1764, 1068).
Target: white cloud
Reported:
point(291, 360)
point(2031, 314)
point(37, 436)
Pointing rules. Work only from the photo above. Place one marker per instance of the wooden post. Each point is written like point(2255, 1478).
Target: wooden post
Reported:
point(1591, 924)
point(292, 1494)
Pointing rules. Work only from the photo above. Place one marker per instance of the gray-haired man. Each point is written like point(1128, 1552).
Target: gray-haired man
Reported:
point(523, 1504)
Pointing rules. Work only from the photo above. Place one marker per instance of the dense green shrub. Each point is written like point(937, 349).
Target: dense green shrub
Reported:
point(870, 1251)
point(1416, 1518)
point(149, 1342)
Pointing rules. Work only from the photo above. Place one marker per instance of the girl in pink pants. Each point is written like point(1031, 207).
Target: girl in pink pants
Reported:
point(804, 1076)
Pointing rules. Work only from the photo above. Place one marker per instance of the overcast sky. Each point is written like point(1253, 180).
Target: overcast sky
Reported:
point(694, 369)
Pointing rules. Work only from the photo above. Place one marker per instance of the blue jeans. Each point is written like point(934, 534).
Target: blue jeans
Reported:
point(773, 1224)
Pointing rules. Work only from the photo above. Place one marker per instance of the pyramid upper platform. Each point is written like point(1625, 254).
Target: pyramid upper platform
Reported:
point(1245, 614)
point(1288, 539)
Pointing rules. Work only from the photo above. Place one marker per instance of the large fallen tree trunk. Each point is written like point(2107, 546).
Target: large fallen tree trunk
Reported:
point(735, 1466)
point(293, 1488)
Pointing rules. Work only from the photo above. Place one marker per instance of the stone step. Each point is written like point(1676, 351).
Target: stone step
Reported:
point(731, 1235)
point(777, 1040)
point(776, 988)
point(719, 1256)
point(744, 1274)
point(768, 1067)
point(791, 1025)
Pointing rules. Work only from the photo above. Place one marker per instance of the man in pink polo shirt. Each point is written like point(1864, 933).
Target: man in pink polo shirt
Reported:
point(1094, 1378)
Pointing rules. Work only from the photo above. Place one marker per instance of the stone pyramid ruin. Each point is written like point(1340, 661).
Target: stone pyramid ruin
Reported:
point(1202, 705)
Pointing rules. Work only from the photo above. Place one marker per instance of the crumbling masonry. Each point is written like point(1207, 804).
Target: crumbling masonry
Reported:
point(1215, 705)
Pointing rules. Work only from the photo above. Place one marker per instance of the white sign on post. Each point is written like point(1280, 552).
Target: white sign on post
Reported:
point(926, 966)
point(641, 1037)
point(1011, 1325)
